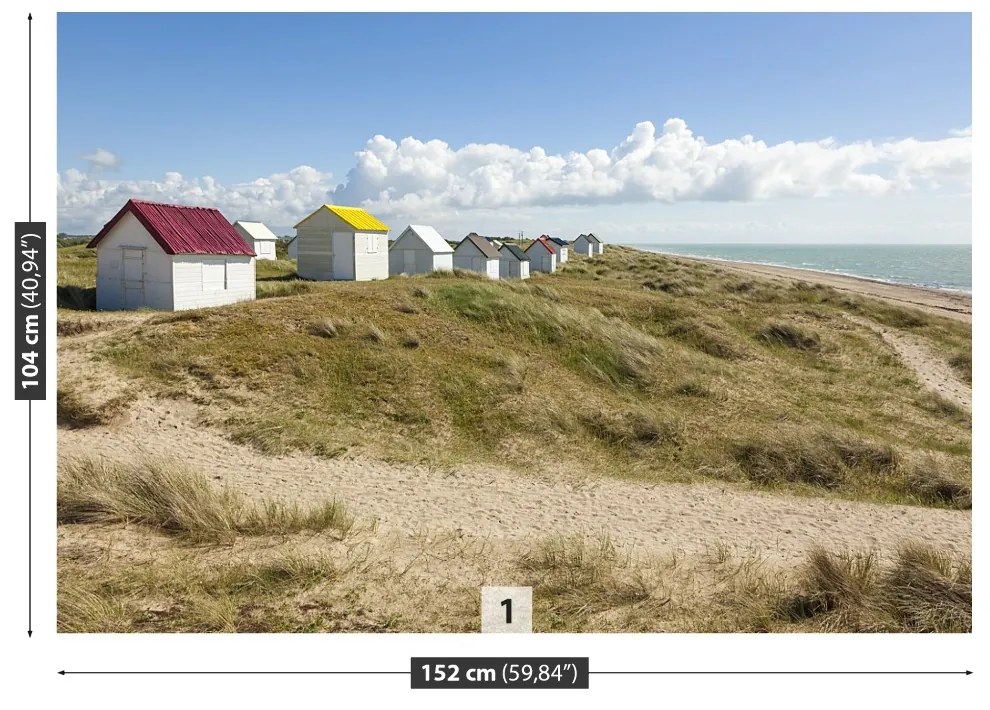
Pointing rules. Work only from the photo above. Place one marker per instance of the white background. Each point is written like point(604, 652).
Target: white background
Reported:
point(30, 666)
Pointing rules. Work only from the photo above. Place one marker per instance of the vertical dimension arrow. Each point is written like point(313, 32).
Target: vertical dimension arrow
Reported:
point(30, 472)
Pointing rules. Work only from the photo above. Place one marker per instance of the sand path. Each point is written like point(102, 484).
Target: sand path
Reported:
point(506, 506)
point(933, 372)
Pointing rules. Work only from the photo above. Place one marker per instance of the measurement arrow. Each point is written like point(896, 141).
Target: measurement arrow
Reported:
point(590, 672)
point(30, 527)
point(780, 672)
point(233, 672)
point(30, 20)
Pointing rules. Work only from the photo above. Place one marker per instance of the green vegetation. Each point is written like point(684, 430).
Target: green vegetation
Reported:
point(631, 364)
point(76, 285)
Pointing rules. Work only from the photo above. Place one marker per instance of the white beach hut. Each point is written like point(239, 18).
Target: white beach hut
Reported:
point(260, 237)
point(171, 257)
point(475, 253)
point(560, 246)
point(542, 256)
point(513, 263)
point(420, 250)
point(338, 243)
point(583, 246)
point(597, 244)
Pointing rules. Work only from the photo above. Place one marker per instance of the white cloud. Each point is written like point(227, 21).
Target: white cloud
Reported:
point(85, 201)
point(671, 165)
point(102, 159)
point(431, 181)
point(965, 132)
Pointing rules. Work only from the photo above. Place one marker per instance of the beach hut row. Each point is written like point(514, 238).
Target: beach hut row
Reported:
point(174, 257)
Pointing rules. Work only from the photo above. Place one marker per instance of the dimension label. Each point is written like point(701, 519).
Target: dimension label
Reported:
point(29, 310)
point(499, 673)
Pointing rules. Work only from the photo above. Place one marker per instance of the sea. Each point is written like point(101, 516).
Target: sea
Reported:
point(941, 266)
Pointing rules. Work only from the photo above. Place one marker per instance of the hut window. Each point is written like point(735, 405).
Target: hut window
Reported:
point(372, 243)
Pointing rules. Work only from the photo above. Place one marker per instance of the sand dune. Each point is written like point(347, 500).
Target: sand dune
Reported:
point(504, 506)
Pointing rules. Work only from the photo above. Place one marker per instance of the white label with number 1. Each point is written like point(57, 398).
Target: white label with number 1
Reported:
point(506, 610)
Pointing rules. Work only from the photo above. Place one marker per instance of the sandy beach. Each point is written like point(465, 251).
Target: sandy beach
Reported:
point(952, 304)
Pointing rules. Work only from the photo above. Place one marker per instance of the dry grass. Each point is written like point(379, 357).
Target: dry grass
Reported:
point(789, 336)
point(576, 352)
point(924, 590)
point(76, 411)
point(129, 578)
point(170, 498)
point(822, 460)
point(962, 363)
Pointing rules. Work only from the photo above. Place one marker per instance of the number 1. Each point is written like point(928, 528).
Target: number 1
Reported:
point(507, 603)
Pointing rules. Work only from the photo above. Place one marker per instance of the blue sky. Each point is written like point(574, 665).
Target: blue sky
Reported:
point(238, 97)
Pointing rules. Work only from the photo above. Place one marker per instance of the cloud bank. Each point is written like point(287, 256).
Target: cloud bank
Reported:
point(428, 179)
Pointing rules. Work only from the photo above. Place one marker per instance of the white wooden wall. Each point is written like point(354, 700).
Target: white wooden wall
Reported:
point(370, 260)
point(156, 290)
point(542, 260)
point(203, 280)
point(265, 249)
point(410, 255)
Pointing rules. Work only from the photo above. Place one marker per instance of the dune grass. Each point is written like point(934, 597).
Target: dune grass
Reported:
point(587, 369)
point(76, 411)
point(165, 496)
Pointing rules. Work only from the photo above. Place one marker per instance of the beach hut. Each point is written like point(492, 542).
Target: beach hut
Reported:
point(337, 243)
point(513, 263)
point(560, 246)
point(597, 244)
point(420, 250)
point(542, 256)
point(475, 253)
point(583, 246)
point(291, 248)
point(171, 257)
point(260, 237)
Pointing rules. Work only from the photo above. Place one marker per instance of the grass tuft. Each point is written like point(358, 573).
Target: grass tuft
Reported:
point(166, 496)
point(76, 412)
point(789, 336)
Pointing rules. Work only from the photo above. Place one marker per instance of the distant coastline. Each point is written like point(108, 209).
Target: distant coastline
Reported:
point(956, 304)
point(953, 278)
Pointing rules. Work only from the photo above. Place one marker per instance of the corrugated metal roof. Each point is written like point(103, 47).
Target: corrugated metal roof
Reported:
point(254, 230)
point(356, 217)
point(430, 237)
point(559, 241)
point(515, 251)
point(182, 230)
point(543, 242)
point(483, 245)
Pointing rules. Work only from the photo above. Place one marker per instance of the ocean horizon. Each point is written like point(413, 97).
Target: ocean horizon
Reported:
point(947, 267)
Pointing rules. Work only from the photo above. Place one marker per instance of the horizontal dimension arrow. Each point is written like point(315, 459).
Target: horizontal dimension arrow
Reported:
point(780, 672)
point(591, 672)
point(233, 672)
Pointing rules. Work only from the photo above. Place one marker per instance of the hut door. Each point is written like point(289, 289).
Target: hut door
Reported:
point(133, 278)
point(409, 261)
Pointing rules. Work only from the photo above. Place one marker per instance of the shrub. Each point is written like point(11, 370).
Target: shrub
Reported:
point(630, 427)
point(374, 334)
point(790, 336)
point(325, 328)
